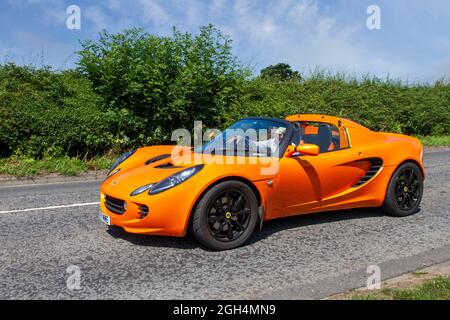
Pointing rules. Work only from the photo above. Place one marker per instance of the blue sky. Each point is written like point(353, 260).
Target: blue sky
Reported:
point(413, 43)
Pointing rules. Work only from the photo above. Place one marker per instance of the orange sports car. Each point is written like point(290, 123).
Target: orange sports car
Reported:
point(260, 169)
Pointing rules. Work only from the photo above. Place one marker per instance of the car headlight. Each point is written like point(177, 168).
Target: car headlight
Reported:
point(175, 179)
point(141, 189)
point(121, 159)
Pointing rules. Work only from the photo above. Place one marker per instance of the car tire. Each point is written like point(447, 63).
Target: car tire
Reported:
point(405, 191)
point(226, 216)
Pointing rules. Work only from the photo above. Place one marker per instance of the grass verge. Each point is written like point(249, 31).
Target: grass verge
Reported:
point(435, 141)
point(437, 288)
point(23, 167)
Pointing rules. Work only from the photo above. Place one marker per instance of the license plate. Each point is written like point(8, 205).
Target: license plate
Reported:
point(104, 218)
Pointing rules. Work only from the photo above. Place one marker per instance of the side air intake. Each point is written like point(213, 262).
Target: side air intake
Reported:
point(375, 166)
point(158, 158)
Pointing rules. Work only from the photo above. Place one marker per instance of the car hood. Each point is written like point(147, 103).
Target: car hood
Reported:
point(145, 166)
point(153, 164)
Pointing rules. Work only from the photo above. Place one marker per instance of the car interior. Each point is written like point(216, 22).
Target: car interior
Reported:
point(325, 135)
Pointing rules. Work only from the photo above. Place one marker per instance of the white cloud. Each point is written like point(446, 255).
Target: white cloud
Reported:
point(299, 33)
point(115, 5)
point(16, 3)
point(302, 11)
point(217, 6)
point(153, 12)
point(303, 33)
point(97, 17)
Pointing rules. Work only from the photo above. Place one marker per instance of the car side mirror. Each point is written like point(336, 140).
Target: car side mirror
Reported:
point(306, 149)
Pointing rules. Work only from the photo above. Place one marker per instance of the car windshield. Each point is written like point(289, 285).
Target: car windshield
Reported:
point(248, 137)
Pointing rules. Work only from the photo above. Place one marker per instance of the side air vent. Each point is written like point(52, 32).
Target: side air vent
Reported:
point(167, 165)
point(158, 158)
point(375, 166)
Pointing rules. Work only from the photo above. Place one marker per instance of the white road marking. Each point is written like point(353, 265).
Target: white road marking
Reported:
point(52, 207)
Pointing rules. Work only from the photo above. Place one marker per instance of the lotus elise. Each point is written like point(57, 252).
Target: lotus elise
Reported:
point(226, 188)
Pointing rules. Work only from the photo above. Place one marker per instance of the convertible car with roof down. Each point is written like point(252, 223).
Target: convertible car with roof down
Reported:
point(322, 163)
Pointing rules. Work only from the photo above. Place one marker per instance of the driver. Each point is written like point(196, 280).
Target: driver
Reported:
point(271, 145)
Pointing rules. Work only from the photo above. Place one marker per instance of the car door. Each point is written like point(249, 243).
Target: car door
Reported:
point(303, 182)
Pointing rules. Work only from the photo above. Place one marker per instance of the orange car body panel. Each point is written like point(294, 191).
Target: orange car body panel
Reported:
point(301, 185)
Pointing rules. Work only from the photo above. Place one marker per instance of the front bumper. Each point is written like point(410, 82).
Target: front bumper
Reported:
point(168, 212)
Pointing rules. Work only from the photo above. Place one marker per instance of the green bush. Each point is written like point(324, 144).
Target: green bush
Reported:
point(50, 114)
point(381, 105)
point(163, 83)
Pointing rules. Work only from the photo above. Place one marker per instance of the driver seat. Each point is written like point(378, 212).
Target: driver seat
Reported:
point(324, 137)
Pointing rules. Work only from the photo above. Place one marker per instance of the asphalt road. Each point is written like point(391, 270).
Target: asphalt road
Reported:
point(303, 257)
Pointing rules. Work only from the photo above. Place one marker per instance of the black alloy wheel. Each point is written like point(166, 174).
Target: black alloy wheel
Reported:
point(225, 216)
point(405, 191)
point(228, 215)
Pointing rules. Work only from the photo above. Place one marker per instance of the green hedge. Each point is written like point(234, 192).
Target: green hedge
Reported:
point(43, 113)
point(133, 89)
point(380, 105)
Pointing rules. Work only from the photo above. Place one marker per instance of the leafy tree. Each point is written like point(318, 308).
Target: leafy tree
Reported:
point(280, 72)
point(164, 83)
